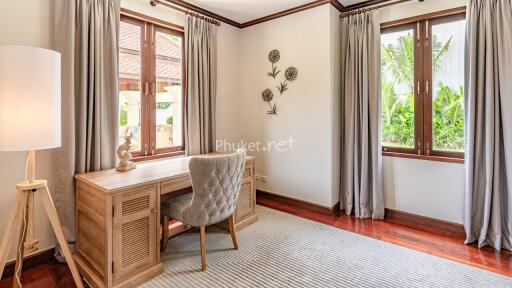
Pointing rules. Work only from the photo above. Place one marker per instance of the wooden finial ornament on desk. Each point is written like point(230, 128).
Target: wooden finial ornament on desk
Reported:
point(125, 155)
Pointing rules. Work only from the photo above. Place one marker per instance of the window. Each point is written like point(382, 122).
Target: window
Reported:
point(422, 87)
point(151, 93)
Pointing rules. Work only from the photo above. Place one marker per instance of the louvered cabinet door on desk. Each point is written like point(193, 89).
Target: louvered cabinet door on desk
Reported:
point(134, 232)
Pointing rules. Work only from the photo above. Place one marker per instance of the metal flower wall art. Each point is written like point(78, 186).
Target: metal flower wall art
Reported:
point(290, 74)
point(273, 57)
point(267, 96)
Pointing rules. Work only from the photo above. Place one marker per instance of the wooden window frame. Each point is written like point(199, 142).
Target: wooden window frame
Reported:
point(423, 87)
point(149, 26)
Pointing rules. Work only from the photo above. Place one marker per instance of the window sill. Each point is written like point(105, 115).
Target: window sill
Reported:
point(424, 157)
point(158, 156)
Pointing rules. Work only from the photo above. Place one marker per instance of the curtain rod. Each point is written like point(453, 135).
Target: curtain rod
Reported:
point(186, 12)
point(370, 8)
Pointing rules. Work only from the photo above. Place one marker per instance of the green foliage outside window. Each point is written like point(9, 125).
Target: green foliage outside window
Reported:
point(398, 108)
point(448, 119)
point(163, 105)
point(169, 120)
point(123, 116)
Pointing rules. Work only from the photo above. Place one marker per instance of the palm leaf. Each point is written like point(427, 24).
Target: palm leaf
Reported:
point(438, 51)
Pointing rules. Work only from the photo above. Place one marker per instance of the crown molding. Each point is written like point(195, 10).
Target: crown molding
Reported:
point(197, 9)
point(287, 12)
point(205, 12)
point(337, 5)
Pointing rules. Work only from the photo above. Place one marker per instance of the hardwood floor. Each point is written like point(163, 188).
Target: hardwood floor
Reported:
point(441, 244)
point(48, 275)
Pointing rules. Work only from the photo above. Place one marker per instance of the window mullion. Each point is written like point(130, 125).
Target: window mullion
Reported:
point(152, 93)
point(419, 91)
point(427, 99)
point(146, 102)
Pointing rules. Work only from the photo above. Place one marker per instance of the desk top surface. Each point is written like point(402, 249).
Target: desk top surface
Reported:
point(145, 172)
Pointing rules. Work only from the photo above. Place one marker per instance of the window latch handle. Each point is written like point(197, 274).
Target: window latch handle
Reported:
point(418, 33)
point(146, 149)
point(146, 88)
point(428, 149)
point(426, 33)
point(419, 87)
point(419, 148)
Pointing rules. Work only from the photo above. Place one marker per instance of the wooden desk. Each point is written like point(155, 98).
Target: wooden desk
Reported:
point(118, 213)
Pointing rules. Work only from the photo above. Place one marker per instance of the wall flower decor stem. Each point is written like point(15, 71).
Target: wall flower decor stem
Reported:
point(282, 88)
point(272, 109)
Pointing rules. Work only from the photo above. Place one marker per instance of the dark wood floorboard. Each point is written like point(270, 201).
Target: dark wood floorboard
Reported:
point(48, 275)
point(436, 243)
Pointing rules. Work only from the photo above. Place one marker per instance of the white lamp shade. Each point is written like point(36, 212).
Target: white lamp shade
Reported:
point(29, 98)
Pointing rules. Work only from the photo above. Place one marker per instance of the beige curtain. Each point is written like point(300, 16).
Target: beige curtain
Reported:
point(201, 57)
point(361, 171)
point(488, 197)
point(86, 34)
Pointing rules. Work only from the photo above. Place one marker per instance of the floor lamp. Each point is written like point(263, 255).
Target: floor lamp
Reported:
point(29, 121)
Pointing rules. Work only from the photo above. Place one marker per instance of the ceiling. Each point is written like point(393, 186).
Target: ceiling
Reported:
point(350, 2)
point(243, 11)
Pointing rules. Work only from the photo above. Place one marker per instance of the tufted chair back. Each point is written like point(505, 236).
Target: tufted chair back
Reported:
point(216, 184)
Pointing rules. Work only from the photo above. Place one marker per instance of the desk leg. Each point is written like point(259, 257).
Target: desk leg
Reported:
point(165, 232)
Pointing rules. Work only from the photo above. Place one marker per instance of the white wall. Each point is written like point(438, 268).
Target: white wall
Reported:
point(305, 111)
point(26, 23)
point(432, 189)
point(336, 103)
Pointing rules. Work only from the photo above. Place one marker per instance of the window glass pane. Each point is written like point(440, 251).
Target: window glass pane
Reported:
point(448, 85)
point(397, 84)
point(169, 100)
point(130, 83)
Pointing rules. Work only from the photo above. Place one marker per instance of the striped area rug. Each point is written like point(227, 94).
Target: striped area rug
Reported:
point(282, 250)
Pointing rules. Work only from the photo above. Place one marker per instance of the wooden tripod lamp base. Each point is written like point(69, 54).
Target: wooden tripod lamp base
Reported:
point(19, 215)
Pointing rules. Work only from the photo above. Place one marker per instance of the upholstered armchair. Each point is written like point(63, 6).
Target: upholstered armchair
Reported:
point(216, 183)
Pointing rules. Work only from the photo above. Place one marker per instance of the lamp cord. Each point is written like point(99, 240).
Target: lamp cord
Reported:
point(21, 246)
point(24, 233)
point(26, 168)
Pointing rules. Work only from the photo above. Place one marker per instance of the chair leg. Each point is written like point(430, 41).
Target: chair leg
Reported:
point(231, 224)
point(165, 232)
point(202, 236)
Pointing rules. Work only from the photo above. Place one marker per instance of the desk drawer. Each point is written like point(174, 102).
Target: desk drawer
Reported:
point(175, 184)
